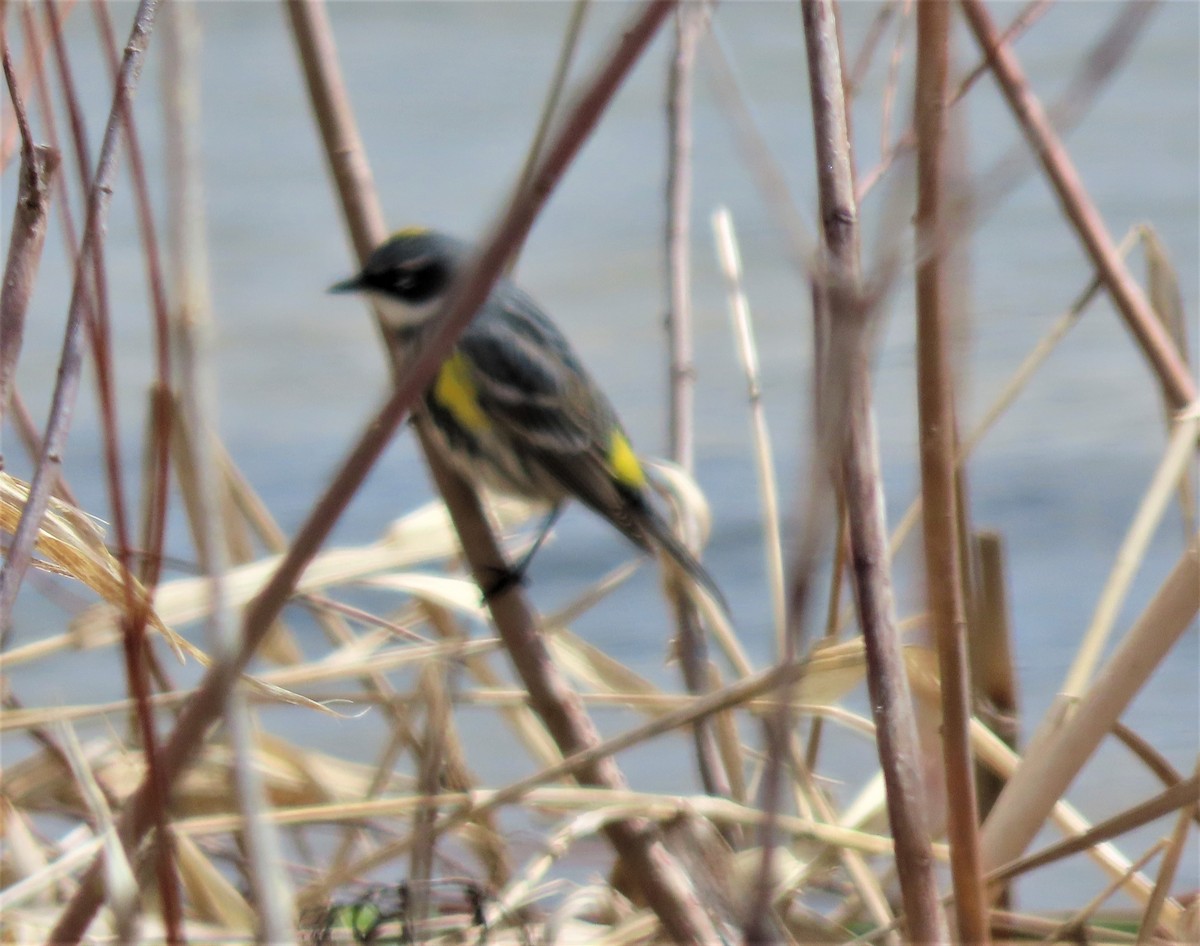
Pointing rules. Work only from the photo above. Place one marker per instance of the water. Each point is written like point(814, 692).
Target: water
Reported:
point(447, 96)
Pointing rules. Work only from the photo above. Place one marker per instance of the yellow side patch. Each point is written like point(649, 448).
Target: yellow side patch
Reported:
point(624, 462)
point(455, 391)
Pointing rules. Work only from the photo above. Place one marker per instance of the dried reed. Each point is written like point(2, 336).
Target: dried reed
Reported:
point(257, 837)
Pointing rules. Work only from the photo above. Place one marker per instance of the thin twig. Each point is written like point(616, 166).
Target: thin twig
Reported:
point(38, 167)
point(1172, 372)
point(666, 889)
point(1170, 864)
point(893, 74)
point(691, 21)
point(1088, 81)
point(767, 172)
point(1157, 498)
point(1030, 14)
point(1182, 797)
point(198, 402)
point(1052, 765)
point(1074, 924)
point(862, 62)
point(153, 532)
point(691, 18)
point(739, 313)
point(11, 134)
point(558, 85)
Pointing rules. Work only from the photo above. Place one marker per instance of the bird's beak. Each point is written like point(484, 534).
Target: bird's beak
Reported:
point(353, 284)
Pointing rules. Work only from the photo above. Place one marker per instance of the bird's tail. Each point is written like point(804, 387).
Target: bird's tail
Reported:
point(659, 533)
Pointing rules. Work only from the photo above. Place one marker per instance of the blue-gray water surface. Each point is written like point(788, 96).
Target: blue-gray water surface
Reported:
point(447, 97)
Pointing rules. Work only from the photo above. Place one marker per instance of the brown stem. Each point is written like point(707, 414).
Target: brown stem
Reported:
point(558, 85)
point(331, 107)
point(70, 362)
point(93, 303)
point(846, 348)
point(666, 889)
point(153, 531)
point(11, 133)
point(38, 166)
point(1172, 372)
point(691, 20)
point(938, 439)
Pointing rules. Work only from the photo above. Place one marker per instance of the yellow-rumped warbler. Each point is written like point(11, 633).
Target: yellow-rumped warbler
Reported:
point(512, 406)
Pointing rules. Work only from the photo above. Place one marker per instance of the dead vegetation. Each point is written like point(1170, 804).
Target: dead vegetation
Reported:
point(178, 817)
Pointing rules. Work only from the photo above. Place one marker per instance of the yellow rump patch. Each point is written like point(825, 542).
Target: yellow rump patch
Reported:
point(455, 391)
point(624, 462)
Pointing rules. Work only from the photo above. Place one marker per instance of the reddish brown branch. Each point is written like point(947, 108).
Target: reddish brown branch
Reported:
point(70, 362)
point(665, 887)
point(842, 346)
point(154, 522)
point(1179, 388)
point(38, 166)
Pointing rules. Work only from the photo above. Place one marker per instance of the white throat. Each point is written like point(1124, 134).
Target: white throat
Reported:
point(401, 315)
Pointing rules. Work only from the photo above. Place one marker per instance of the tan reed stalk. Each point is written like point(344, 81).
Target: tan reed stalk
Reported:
point(730, 262)
point(766, 171)
point(429, 752)
point(1175, 461)
point(1050, 765)
point(940, 483)
point(739, 312)
point(121, 887)
point(1162, 285)
point(1168, 868)
point(198, 399)
point(691, 22)
point(1077, 920)
point(1182, 796)
point(993, 671)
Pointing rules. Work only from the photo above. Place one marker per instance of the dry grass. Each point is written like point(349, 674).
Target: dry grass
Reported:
point(269, 838)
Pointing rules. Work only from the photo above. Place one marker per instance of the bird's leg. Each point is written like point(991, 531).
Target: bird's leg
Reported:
point(515, 575)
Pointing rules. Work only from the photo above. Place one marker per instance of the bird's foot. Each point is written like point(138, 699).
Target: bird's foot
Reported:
point(504, 578)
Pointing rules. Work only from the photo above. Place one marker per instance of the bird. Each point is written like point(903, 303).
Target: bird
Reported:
point(512, 407)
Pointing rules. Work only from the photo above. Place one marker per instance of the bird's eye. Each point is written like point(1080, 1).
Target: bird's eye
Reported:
point(420, 282)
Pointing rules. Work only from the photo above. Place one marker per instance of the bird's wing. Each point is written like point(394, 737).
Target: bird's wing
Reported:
point(523, 388)
point(531, 385)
